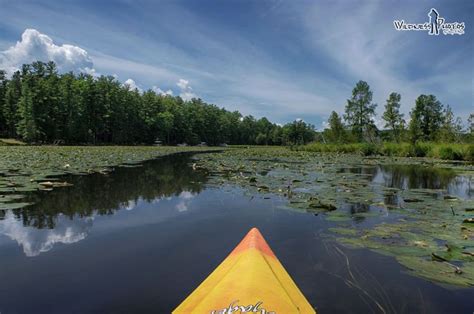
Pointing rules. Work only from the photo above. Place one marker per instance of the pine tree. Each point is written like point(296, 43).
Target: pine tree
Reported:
point(10, 107)
point(470, 126)
point(27, 127)
point(360, 111)
point(336, 131)
point(426, 119)
point(393, 117)
point(451, 128)
point(3, 87)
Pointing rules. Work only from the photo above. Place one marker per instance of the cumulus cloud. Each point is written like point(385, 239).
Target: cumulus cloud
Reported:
point(159, 91)
point(35, 46)
point(36, 241)
point(186, 91)
point(379, 123)
point(132, 85)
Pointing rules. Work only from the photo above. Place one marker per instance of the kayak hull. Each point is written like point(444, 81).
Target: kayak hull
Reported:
point(250, 279)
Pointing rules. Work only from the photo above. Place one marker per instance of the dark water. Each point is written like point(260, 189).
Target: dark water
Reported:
point(141, 239)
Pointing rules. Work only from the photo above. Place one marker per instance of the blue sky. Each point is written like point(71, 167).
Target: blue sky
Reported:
point(279, 59)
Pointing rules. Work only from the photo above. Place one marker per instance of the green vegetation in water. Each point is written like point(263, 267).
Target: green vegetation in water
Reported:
point(30, 168)
point(439, 151)
point(426, 229)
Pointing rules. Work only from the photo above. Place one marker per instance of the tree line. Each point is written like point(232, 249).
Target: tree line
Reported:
point(39, 105)
point(429, 121)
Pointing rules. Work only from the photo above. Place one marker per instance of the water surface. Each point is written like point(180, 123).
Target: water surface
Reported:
point(141, 239)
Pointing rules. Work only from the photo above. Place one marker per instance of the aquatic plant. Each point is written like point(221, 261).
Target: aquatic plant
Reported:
point(26, 169)
point(400, 207)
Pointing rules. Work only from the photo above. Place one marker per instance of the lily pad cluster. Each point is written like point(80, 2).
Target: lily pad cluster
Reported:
point(25, 169)
point(411, 208)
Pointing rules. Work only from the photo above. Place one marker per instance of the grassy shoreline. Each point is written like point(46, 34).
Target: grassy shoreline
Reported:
point(460, 152)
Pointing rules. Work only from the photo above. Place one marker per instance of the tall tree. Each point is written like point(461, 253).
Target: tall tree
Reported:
point(426, 119)
point(336, 132)
point(298, 132)
point(10, 106)
point(360, 111)
point(392, 116)
point(27, 127)
point(451, 127)
point(3, 87)
point(470, 126)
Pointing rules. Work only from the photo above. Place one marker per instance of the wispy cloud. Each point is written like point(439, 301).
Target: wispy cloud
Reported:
point(361, 42)
point(283, 61)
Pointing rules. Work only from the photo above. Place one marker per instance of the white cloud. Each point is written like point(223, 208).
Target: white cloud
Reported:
point(159, 91)
point(36, 241)
point(132, 85)
point(379, 123)
point(185, 200)
point(186, 90)
point(35, 46)
point(325, 125)
point(130, 205)
point(183, 84)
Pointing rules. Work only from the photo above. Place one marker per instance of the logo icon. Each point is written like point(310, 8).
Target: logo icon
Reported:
point(435, 26)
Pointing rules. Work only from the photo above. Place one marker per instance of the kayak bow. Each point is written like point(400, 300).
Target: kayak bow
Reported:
point(250, 279)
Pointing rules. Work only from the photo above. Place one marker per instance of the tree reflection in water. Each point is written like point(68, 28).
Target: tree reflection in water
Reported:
point(99, 194)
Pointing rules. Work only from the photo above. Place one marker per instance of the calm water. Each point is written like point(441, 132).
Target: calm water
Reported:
point(141, 239)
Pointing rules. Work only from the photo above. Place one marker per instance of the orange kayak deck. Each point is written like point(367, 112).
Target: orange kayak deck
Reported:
point(250, 280)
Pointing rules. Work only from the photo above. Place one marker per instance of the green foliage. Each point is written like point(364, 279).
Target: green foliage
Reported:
point(261, 139)
point(10, 104)
point(369, 149)
point(469, 153)
point(360, 112)
point(450, 153)
point(451, 127)
point(470, 127)
point(3, 88)
point(336, 132)
point(393, 117)
point(393, 149)
point(426, 119)
point(298, 133)
point(38, 105)
point(419, 149)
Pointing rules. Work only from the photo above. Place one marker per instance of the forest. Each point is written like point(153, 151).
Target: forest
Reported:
point(38, 105)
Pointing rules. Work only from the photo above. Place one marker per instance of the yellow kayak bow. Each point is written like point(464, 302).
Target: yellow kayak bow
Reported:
point(250, 280)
